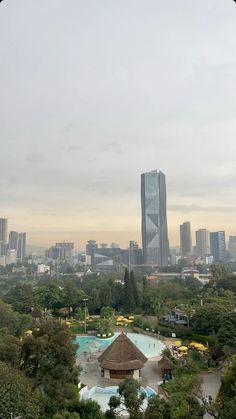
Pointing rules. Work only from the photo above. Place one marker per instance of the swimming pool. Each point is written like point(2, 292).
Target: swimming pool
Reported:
point(102, 395)
point(148, 345)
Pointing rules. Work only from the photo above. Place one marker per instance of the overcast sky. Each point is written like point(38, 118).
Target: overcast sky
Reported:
point(95, 92)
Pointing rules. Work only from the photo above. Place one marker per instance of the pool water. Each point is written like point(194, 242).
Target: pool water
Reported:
point(148, 345)
point(102, 395)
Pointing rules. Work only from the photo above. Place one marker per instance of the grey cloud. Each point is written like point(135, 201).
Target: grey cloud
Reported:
point(35, 158)
point(73, 148)
point(97, 101)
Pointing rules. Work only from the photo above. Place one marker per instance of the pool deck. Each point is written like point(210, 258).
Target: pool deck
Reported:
point(91, 372)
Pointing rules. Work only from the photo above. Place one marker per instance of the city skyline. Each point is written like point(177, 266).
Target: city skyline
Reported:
point(200, 244)
point(99, 98)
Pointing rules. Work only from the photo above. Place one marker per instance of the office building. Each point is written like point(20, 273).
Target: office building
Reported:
point(185, 238)
point(232, 247)
point(115, 246)
point(107, 259)
point(13, 240)
point(90, 247)
point(218, 247)
point(65, 250)
point(52, 253)
point(154, 219)
point(202, 242)
point(21, 247)
point(61, 251)
point(3, 236)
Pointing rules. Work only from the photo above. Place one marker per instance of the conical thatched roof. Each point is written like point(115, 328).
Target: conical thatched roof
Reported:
point(165, 364)
point(122, 355)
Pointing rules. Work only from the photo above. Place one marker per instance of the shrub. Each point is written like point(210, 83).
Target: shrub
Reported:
point(138, 321)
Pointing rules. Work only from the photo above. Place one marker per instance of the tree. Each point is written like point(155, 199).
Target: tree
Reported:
point(130, 396)
point(65, 414)
point(157, 408)
point(87, 409)
point(134, 289)
point(48, 357)
point(218, 271)
point(227, 283)
point(227, 332)
point(21, 298)
point(128, 302)
point(226, 402)
point(11, 322)
point(107, 320)
point(208, 319)
point(182, 392)
point(10, 350)
point(72, 298)
point(17, 397)
point(50, 296)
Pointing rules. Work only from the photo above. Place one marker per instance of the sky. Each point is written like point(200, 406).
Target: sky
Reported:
point(93, 93)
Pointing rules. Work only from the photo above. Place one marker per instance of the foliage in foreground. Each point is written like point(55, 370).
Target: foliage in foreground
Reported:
point(17, 397)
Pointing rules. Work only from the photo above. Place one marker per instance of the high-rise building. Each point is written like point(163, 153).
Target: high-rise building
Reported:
point(3, 236)
point(13, 240)
point(65, 250)
point(21, 247)
point(218, 247)
point(202, 242)
point(115, 245)
point(232, 247)
point(107, 259)
point(90, 247)
point(154, 219)
point(185, 238)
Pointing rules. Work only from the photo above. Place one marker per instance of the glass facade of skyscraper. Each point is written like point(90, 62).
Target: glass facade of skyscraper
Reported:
point(154, 219)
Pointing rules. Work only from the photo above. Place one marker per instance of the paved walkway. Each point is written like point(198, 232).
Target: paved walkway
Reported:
point(211, 385)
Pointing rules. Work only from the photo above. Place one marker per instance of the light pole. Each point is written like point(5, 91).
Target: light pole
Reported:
point(85, 313)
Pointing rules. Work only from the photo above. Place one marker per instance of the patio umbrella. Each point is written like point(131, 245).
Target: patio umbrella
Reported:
point(183, 348)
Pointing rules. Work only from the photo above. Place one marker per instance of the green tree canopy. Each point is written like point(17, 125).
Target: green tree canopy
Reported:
point(17, 397)
point(12, 322)
point(227, 332)
point(157, 408)
point(130, 396)
point(208, 319)
point(48, 357)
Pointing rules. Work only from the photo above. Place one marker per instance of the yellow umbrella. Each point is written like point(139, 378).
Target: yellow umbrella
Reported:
point(177, 343)
point(193, 344)
point(29, 332)
point(183, 348)
point(201, 347)
point(131, 317)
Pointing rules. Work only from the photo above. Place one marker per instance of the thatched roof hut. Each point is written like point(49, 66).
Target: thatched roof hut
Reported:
point(165, 365)
point(122, 358)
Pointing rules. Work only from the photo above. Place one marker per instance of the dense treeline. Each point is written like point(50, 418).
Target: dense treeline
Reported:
point(38, 373)
point(43, 362)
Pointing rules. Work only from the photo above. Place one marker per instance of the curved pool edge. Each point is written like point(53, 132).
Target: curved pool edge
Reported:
point(150, 346)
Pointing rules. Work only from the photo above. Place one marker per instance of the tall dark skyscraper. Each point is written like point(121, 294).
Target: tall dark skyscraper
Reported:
point(154, 219)
point(185, 238)
point(21, 248)
point(202, 242)
point(218, 247)
point(13, 240)
point(3, 236)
